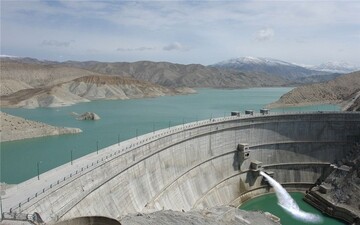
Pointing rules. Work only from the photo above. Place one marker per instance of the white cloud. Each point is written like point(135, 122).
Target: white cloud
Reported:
point(142, 29)
point(135, 49)
point(265, 34)
point(55, 43)
point(176, 46)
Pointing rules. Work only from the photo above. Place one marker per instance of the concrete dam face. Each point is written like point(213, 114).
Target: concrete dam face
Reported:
point(195, 165)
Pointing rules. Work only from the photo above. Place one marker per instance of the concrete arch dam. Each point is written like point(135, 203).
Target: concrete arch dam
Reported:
point(194, 165)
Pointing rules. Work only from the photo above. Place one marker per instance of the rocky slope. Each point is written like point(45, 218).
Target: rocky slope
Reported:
point(35, 74)
point(345, 185)
point(343, 90)
point(85, 89)
point(16, 128)
point(223, 215)
point(9, 86)
point(292, 73)
point(355, 105)
point(178, 75)
point(338, 194)
point(336, 67)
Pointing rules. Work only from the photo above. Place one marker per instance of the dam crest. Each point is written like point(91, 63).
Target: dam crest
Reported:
point(190, 166)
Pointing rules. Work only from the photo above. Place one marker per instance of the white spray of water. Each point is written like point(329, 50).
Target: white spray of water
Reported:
point(289, 204)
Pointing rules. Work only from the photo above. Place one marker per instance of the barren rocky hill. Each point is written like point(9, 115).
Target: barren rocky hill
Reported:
point(9, 86)
point(27, 82)
point(16, 128)
point(39, 74)
point(114, 87)
point(178, 75)
point(272, 67)
point(343, 90)
point(44, 73)
point(85, 89)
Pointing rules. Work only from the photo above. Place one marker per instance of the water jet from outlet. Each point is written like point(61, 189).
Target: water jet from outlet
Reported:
point(289, 204)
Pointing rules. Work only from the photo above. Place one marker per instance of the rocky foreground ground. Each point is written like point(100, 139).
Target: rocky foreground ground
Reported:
point(17, 128)
point(222, 215)
point(339, 194)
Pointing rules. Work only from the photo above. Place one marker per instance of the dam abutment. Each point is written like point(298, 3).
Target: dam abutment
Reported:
point(199, 165)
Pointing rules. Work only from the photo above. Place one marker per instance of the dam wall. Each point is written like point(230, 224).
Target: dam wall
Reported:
point(193, 165)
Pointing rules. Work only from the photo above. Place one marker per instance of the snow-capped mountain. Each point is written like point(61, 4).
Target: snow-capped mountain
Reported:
point(253, 60)
point(268, 66)
point(8, 56)
point(336, 67)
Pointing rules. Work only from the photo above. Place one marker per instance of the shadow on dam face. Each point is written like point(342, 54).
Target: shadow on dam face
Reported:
point(90, 220)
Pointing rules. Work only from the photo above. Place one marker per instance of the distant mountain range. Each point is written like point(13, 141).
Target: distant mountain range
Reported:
point(53, 82)
point(335, 67)
point(33, 83)
point(291, 72)
point(162, 73)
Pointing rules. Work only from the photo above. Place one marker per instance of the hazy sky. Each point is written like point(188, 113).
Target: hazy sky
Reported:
point(304, 32)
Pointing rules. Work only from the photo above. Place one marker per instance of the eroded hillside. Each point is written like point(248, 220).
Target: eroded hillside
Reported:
point(344, 90)
point(179, 75)
point(16, 128)
point(85, 89)
point(31, 83)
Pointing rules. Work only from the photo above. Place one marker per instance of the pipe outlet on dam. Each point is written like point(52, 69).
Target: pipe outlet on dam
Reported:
point(192, 166)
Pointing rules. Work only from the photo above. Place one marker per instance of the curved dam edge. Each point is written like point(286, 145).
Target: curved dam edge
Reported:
point(190, 166)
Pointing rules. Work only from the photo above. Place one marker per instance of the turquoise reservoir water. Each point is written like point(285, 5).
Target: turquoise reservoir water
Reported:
point(268, 203)
point(122, 119)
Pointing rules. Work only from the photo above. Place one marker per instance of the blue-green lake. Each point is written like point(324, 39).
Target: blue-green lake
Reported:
point(121, 120)
point(268, 203)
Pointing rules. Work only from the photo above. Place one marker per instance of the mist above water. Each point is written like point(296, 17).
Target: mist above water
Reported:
point(289, 204)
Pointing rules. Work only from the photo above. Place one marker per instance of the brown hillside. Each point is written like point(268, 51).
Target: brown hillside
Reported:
point(336, 91)
point(17, 128)
point(38, 74)
point(179, 75)
point(85, 89)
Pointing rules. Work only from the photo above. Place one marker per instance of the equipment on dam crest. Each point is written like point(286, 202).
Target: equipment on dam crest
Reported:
point(264, 111)
point(235, 113)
